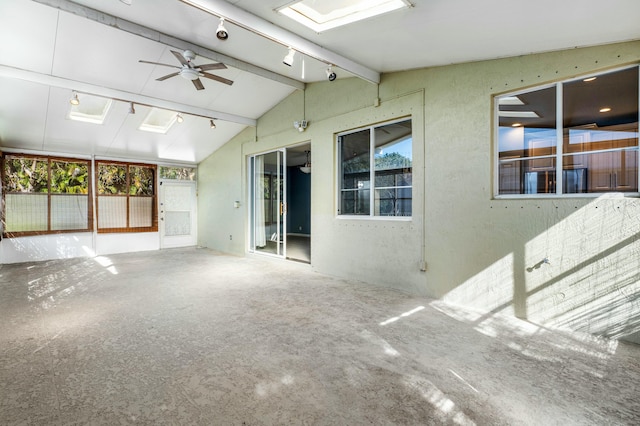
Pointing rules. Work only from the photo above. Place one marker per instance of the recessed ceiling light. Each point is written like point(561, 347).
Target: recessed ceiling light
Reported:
point(516, 125)
point(586, 80)
point(605, 109)
point(321, 16)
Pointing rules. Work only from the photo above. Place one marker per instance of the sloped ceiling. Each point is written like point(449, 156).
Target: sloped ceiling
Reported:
point(49, 48)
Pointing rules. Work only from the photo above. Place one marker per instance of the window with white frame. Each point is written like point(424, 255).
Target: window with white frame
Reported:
point(573, 137)
point(381, 154)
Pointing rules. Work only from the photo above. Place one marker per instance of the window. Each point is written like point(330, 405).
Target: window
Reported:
point(573, 137)
point(45, 195)
point(126, 197)
point(178, 173)
point(382, 155)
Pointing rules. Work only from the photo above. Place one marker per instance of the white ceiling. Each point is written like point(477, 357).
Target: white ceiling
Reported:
point(49, 48)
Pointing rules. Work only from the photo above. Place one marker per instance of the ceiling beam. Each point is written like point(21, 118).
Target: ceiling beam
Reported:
point(266, 29)
point(151, 34)
point(106, 92)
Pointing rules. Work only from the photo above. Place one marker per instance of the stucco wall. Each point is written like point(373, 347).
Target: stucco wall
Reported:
point(480, 252)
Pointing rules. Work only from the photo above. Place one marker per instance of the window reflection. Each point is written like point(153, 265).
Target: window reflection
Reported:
point(599, 148)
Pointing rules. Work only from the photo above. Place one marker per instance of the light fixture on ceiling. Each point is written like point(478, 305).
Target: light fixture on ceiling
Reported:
point(605, 109)
point(330, 74)
point(300, 125)
point(74, 100)
point(222, 32)
point(516, 125)
point(288, 60)
point(179, 118)
point(589, 79)
point(212, 124)
point(132, 109)
point(307, 166)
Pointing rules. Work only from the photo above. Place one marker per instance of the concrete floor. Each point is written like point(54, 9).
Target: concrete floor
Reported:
point(190, 337)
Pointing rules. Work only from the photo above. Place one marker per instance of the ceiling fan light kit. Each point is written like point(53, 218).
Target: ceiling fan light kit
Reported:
point(190, 71)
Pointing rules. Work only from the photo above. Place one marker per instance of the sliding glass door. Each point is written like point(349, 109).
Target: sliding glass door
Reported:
point(267, 177)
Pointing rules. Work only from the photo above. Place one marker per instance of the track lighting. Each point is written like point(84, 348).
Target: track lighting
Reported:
point(288, 60)
point(132, 110)
point(212, 124)
point(221, 32)
point(74, 100)
point(179, 118)
point(330, 74)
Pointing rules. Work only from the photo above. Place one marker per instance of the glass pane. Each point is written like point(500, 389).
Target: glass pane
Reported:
point(140, 212)
point(355, 202)
point(527, 124)
point(112, 212)
point(527, 176)
point(25, 212)
point(25, 174)
point(608, 171)
point(69, 212)
point(178, 173)
point(393, 202)
point(112, 179)
point(141, 180)
point(355, 159)
point(601, 113)
point(393, 169)
point(69, 177)
point(393, 147)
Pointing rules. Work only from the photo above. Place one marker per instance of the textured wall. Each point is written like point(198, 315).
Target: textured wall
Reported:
point(479, 252)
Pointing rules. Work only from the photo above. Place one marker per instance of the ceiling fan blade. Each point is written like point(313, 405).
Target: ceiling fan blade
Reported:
point(209, 67)
point(173, 74)
point(198, 84)
point(216, 78)
point(179, 57)
point(158, 63)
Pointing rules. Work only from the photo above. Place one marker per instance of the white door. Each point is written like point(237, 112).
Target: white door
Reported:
point(268, 213)
point(177, 214)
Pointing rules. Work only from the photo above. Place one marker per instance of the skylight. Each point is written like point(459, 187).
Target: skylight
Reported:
point(324, 15)
point(91, 109)
point(158, 120)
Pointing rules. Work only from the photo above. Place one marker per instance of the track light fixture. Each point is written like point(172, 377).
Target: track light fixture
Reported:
point(330, 74)
point(212, 124)
point(288, 60)
point(132, 109)
point(222, 32)
point(179, 118)
point(74, 100)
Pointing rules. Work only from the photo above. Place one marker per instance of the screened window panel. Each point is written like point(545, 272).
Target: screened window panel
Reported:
point(112, 212)
point(26, 212)
point(140, 212)
point(69, 212)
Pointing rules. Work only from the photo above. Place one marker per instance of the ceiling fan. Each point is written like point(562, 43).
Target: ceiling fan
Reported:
point(191, 71)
